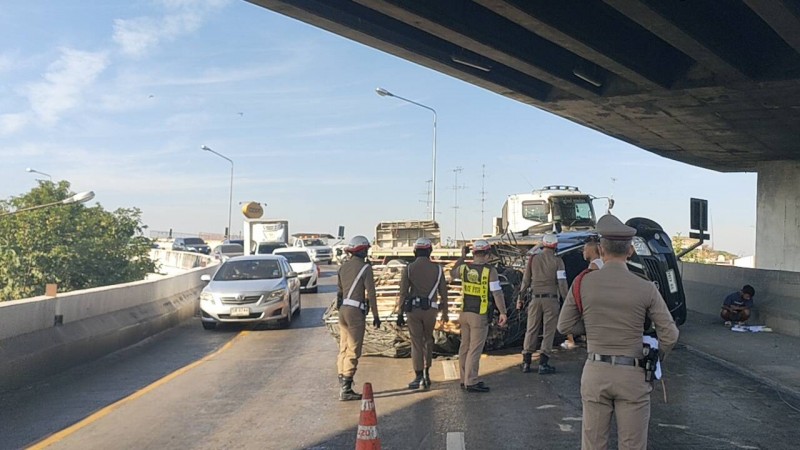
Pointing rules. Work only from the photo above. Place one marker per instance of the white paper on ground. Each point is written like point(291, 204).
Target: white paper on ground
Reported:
point(751, 328)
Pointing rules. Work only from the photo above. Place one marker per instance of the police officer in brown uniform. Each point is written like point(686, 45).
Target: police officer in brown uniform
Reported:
point(479, 281)
point(613, 305)
point(546, 277)
point(355, 294)
point(423, 294)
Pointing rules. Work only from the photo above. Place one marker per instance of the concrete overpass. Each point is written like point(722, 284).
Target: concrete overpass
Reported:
point(709, 83)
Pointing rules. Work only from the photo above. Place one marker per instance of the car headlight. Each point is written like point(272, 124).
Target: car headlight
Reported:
point(275, 295)
point(640, 246)
point(206, 297)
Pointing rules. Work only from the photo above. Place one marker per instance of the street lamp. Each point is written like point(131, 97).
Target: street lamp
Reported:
point(29, 170)
point(384, 93)
point(81, 197)
point(230, 201)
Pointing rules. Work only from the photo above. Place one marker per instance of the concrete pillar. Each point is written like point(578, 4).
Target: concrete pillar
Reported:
point(778, 216)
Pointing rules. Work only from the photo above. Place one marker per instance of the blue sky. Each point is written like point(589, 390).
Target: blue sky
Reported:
point(118, 97)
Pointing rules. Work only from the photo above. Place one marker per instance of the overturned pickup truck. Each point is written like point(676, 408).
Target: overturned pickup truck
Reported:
point(654, 260)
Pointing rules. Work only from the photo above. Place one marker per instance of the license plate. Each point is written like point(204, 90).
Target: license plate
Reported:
point(673, 283)
point(240, 311)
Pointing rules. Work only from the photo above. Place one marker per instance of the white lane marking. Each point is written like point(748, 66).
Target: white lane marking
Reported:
point(571, 419)
point(455, 441)
point(451, 370)
point(672, 425)
point(565, 427)
point(545, 406)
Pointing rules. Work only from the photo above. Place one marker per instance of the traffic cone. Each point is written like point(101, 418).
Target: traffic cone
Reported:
point(367, 437)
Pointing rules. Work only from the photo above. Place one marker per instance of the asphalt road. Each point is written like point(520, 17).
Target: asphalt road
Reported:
point(241, 388)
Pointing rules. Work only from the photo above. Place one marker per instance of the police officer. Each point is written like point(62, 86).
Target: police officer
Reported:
point(547, 278)
point(478, 281)
point(612, 306)
point(423, 294)
point(356, 292)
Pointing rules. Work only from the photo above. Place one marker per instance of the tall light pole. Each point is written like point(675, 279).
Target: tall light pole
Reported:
point(384, 93)
point(230, 201)
point(29, 170)
point(81, 197)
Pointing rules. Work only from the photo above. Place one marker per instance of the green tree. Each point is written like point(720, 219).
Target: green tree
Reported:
point(75, 246)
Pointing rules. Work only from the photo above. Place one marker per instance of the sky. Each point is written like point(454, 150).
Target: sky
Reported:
point(119, 97)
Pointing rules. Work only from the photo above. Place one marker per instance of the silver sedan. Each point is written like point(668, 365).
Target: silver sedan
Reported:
point(256, 288)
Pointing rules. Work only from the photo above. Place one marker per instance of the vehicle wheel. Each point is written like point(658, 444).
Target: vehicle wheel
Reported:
point(299, 303)
point(287, 322)
point(209, 325)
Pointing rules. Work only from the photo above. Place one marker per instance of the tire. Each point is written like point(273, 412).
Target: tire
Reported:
point(299, 304)
point(314, 290)
point(287, 322)
point(209, 325)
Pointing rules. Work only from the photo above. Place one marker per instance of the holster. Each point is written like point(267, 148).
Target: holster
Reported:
point(408, 304)
point(424, 303)
point(650, 363)
point(339, 300)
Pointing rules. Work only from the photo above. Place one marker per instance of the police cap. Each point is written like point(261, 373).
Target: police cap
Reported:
point(611, 228)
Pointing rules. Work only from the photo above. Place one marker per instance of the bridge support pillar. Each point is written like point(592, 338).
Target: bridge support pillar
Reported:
point(778, 216)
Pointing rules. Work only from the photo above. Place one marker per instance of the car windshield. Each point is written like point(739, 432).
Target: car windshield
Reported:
point(311, 242)
point(231, 248)
point(296, 257)
point(249, 269)
point(193, 241)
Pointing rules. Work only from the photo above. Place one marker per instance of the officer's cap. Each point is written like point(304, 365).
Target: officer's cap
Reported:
point(611, 228)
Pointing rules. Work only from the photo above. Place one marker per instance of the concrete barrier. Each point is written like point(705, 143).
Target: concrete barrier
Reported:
point(777, 300)
point(95, 322)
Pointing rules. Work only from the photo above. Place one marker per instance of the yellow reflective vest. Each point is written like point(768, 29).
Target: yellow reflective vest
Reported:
point(475, 287)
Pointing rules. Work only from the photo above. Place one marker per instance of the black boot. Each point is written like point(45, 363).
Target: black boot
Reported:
point(346, 391)
point(526, 362)
point(426, 378)
point(417, 380)
point(545, 368)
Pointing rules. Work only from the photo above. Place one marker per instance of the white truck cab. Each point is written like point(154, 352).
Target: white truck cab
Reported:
point(551, 208)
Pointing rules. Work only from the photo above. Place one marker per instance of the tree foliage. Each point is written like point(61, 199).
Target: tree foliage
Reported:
point(75, 246)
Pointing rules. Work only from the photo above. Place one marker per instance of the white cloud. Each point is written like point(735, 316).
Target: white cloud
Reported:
point(65, 81)
point(6, 62)
point(137, 36)
point(11, 123)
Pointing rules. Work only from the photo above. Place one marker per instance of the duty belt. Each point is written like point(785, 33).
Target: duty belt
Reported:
point(354, 304)
point(616, 360)
point(415, 303)
point(545, 295)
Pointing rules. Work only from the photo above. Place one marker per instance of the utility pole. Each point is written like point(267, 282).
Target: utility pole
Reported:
point(456, 188)
point(427, 200)
point(483, 196)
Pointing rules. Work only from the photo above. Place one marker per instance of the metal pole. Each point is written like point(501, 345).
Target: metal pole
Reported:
point(384, 93)
point(230, 200)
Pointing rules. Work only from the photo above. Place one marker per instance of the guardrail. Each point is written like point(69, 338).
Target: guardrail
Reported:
point(777, 299)
point(44, 335)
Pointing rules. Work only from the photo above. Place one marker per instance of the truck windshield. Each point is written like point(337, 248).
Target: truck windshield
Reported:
point(573, 210)
point(536, 211)
point(296, 257)
point(313, 242)
point(193, 241)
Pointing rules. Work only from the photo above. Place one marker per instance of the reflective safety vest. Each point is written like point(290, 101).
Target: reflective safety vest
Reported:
point(475, 286)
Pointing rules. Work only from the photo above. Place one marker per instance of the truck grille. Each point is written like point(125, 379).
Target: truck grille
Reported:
point(239, 300)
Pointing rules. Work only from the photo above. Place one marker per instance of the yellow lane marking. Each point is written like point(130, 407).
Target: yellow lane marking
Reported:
point(54, 438)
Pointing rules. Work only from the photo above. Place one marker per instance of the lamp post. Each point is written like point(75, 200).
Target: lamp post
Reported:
point(384, 93)
point(29, 170)
point(230, 200)
point(81, 197)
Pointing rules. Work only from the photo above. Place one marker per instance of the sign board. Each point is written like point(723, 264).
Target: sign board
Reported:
point(699, 214)
point(252, 210)
point(340, 234)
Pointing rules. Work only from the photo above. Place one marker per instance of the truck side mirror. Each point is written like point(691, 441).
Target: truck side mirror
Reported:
point(610, 203)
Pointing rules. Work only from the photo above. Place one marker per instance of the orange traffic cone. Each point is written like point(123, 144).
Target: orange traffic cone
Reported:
point(367, 438)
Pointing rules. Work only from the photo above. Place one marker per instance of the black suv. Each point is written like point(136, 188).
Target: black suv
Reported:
point(191, 244)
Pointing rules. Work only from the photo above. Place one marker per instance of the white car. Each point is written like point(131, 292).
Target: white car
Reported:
point(257, 288)
point(300, 260)
point(317, 250)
